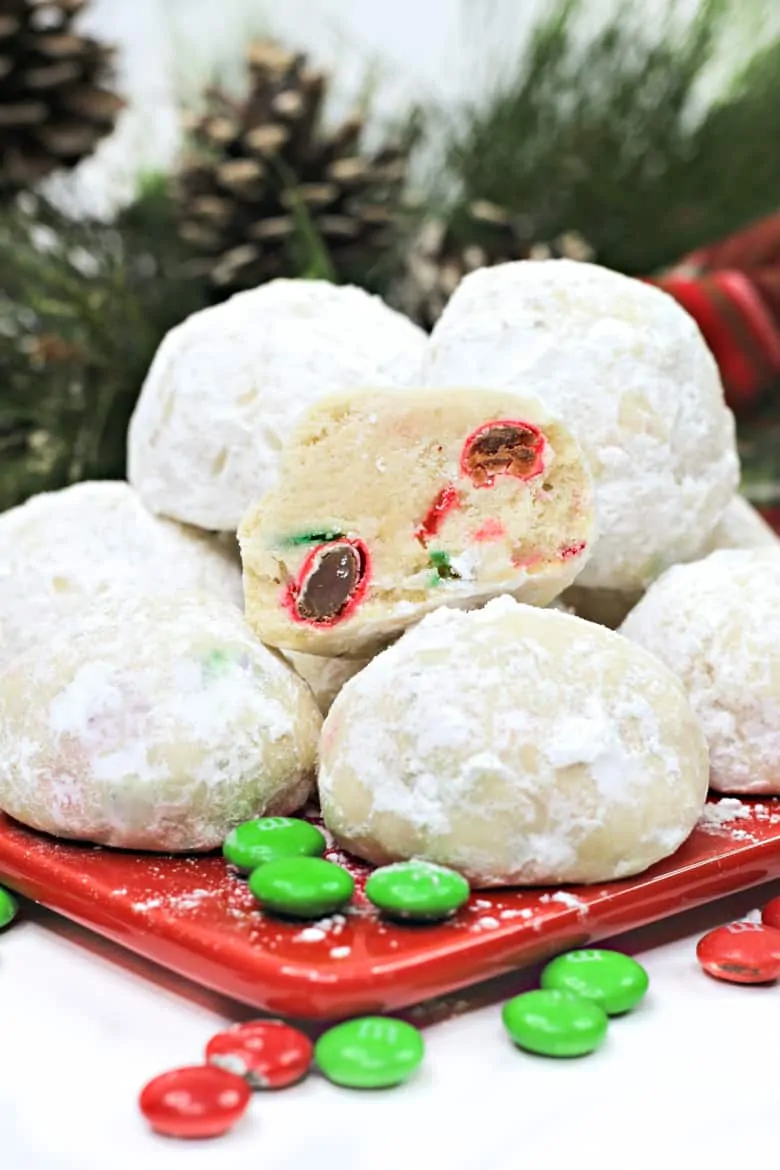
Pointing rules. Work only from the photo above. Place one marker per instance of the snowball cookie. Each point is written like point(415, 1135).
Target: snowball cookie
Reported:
point(521, 746)
point(226, 387)
point(61, 550)
point(716, 624)
point(325, 676)
point(740, 526)
point(154, 725)
point(627, 370)
point(391, 505)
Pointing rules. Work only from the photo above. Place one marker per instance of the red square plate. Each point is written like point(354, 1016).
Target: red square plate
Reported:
point(195, 916)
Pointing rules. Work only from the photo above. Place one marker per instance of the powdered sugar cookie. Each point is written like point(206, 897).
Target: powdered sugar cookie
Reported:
point(716, 624)
point(62, 550)
point(389, 506)
point(227, 386)
point(154, 724)
point(327, 676)
point(627, 370)
point(517, 745)
point(740, 526)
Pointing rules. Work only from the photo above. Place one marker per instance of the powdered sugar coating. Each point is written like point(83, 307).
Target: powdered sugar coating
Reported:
point(227, 386)
point(627, 370)
point(517, 745)
point(740, 526)
point(62, 550)
point(154, 724)
point(716, 624)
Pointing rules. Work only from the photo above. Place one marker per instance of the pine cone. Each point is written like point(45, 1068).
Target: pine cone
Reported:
point(53, 106)
point(266, 192)
point(479, 236)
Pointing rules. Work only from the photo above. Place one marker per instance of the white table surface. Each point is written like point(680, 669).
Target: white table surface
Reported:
point(689, 1080)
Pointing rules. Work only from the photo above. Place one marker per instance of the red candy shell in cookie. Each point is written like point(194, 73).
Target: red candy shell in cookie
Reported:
point(331, 583)
point(770, 915)
point(197, 1102)
point(268, 1053)
point(506, 446)
point(742, 952)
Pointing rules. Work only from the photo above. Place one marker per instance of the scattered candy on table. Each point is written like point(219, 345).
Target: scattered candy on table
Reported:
point(8, 908)
point(567, 1016)
point(369, 1053)
point(417, 890)
point(269, 1054)
point(301, 887)
point(555, 1023)
point(742, 952)
point(201, 1101)
point(257, 842)
point(616, 982)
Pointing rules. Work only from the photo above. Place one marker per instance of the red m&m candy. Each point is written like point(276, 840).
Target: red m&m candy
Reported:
point(742, 952)
point(198, 1102)
point(770, 915)
point(268, 1053)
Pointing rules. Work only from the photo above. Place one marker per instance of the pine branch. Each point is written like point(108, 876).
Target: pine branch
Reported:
point(600, 135)
point(83, 308)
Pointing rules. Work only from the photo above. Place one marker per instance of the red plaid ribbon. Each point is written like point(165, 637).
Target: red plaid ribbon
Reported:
point(732, 289)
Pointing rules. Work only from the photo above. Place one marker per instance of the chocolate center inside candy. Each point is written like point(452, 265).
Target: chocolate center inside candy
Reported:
point(502, 449)
point(334, 576)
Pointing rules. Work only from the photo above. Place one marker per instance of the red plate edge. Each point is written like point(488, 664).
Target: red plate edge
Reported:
point(196, 917)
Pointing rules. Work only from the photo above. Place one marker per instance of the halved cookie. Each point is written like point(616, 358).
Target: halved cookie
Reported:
point(389, 505)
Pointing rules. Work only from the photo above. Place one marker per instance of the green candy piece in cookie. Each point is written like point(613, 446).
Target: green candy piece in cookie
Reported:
point(216, 662)
point(309, 538)
point(443, 565)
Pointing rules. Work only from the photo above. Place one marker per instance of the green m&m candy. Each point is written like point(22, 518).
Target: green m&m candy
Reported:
point(269, 838)
point(417, 890)
point(371, 1053)
point(302, 887)
point(615, 982)
point(8, 908)
point(555, 1023)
